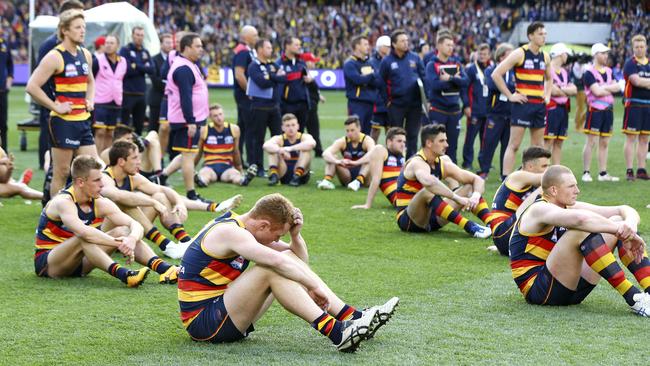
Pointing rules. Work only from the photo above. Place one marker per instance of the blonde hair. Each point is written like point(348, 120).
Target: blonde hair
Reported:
point(553, 176)
point(65, 20)
point(639, 38)
point(273, 207)
point(83, 164)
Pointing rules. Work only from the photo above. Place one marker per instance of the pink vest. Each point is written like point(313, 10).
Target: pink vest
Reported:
point(200, 97)
point(600, 103)
point(108, 83)
point(560, 82)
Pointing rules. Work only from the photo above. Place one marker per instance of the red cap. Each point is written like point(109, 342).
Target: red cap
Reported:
point(308, 56)
point(99, 41)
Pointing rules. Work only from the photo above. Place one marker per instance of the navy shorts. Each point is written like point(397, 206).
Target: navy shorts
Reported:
point(106, 116)
point(501, 234)
point(40, 265)
point(531, 115)
point(557, 123)
point(599, 122)
point(213, 324)
point(180, 142)
point(354, 172)
point(546, 290)
point(405, 223)
point(219, 168)
point(70, 135)
point(637, 120)
point(379, 120)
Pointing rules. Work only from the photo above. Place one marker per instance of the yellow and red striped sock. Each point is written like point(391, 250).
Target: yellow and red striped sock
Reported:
point(178, 230)
point(273, 169)
point(158, 265)
point(361, 178)
point(348, 313)
point(157, 238)
point(212, 207)
point(328, 177)
point(329, 327)
point(482, 211)
point(299, 171)
point(118, 271)
point(443, 210)
point(641, 271)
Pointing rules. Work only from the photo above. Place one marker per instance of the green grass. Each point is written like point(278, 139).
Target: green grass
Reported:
point(459, 304)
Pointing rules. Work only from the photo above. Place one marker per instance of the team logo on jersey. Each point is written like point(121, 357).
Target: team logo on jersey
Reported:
point(229, 139)
point(529, 64)
point(71, 70)
point(144, 56)
point(237, 263)
point(132, 54)
point(287, 68)
point(85, 68)
point(542, 65)
point(212, 140)
point(412, 64)
point(393, 66)
point(392, 161)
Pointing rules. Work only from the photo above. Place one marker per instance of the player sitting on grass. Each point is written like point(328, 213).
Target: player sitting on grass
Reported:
point(385, 165)
point(10, 187)
point(424, 203)
point(513, 192)
point(289, 154)
point(352, 147)
point(222, 160)
point(79, 230)
point(560, 248)
point(221, 297)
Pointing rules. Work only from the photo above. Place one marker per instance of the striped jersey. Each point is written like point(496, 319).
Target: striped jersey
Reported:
point(390, 172)
point(529, 75)
point(354, 152)
point(294, 155)
point(127, 184)
point(506, 202)
point(71, 84)
point(407, 188)
point(218, 147)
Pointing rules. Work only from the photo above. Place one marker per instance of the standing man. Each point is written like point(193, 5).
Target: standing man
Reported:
point(400, 72)
point(69, 65)
point(264, 78)
point(315, 97)
point(636, 123)
point(533, 82)
point(109, 70)
point(380, 112)
point(139, 64)
point(599, 88)
point(445, 78)
point(188, 110)
point(476, 102)
point(244, 55)
point(6, 79)
point(577, 71)
point(157, 90)
point(295, 98)
point(360, 82)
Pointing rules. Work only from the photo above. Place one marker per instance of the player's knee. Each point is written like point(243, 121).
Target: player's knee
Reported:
point(62, 171)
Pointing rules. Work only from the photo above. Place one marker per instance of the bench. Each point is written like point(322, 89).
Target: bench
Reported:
point(23, 127)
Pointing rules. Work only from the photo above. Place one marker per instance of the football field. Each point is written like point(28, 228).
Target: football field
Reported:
point(459, 304)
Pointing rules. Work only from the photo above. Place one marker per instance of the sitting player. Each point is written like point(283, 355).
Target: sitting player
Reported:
point(572, 247)
point(79, 230)
point(385, 165)
point(420, 191)
point(10, 187)
point(289, 154)
point(221, 297)
point(222, 161)
point(143, 200)
point(513, 192)
point(353, 146)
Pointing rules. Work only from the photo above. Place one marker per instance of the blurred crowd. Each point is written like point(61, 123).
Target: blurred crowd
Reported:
point(326, 29)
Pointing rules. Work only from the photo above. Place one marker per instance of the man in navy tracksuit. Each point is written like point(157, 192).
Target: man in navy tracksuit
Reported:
point(400, 71)
point(242, 58)
point(475, 100)
point(360, 83)
point(445, 79)
point(380, 112)
point(294, 95)
point(265, 111)
point(6, 79)
point(497, 125)
point(139, 64)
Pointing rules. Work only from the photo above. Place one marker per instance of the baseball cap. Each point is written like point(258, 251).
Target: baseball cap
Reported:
point(99, 41)
point(597, 48)
point(309, 57)
point(560, 48)
point(382, 41)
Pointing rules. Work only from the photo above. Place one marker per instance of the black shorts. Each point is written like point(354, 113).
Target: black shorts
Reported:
point(637, 120)
point(531, 115)
point(557, 123)
point(219, 168)
point(40, 265)
point(546, 290)
point(599, 122)
point(379, 120)
point(405, 223)
point(106, 116)
point(213, 324)
point(70, 134)
point(180, 142)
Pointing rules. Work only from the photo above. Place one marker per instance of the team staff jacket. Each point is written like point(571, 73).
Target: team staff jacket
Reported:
point(138, 62)
point(6, 64)
point(243, 56)
point(635, 95)
point(444, 95)
point(400, 75)
point(294, 89)
point(477, 93)
point(380, 102)
point(498, 103)
point(360, 80)
point(264, 74)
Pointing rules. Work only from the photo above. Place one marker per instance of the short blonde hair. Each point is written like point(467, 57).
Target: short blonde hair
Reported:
point(83, 164)
point(639, 38)
point(274, 207)
point(65, 20)
point(553, 176)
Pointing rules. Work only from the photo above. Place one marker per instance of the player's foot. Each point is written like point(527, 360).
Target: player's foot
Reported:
point(354, 185)
point(274, 180)
point(642, 304)
point(326, 184)
point(174, 250)
point(229, 204)
point(170, 275)
point(586, 177)
point(295, 181)
point(481, 232)
point(607, 178)
point(642, 174)
point(198, 197)
point(384, 313)
point(629, 175)
point(26, 177)
point(492, 249)
point(136, 278)
point(251, 172)
point(198, 181)
point(260, 172)
point(356, 331)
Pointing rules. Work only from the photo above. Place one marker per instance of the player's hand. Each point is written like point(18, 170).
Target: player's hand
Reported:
point(162, 209)
point(518, 98)
point(280, 72)
point(462, 201)
point(307, 78)
point(181, 211)
point(284, 153)
point(625, 231)
point(444, 76)
point(9, 83)
point(473, 201)
point(62, 108)
point(361, 207)
point(322, 98)
point(127, 246)
point(298, 221)
point(347, 162)
point(90, 105)
point(320, 298)
point(636, 246)
point(191, 130)
point(468, 112)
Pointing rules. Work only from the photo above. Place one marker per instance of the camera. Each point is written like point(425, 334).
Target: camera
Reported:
point(581, 58)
